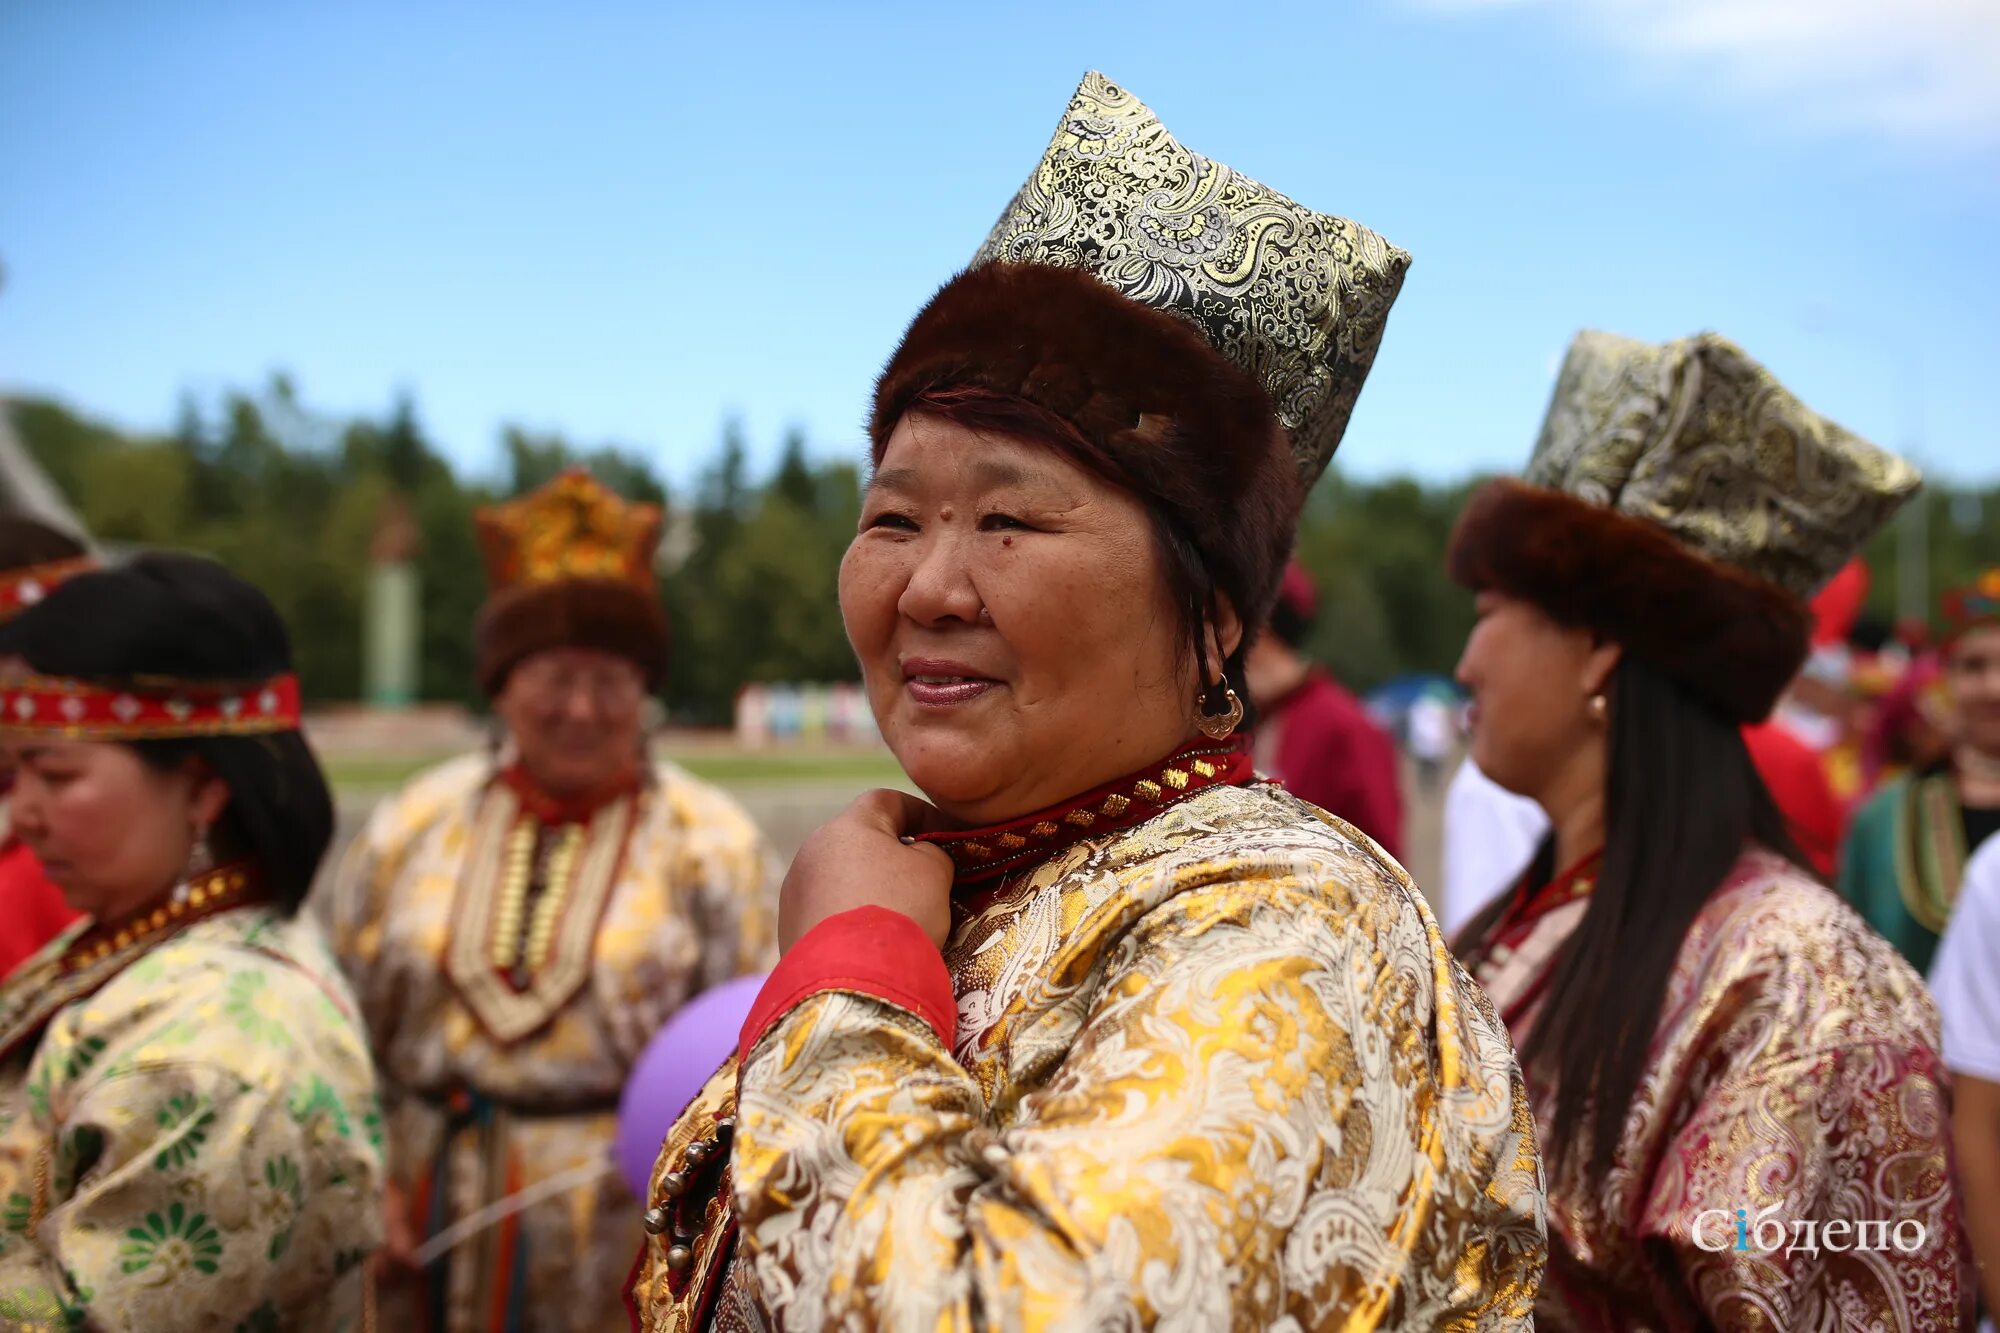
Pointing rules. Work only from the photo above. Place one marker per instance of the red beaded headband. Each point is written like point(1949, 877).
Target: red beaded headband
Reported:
point(147, 709)
point(22, 588)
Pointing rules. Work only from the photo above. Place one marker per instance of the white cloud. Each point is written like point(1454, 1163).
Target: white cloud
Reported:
point(1923, 69)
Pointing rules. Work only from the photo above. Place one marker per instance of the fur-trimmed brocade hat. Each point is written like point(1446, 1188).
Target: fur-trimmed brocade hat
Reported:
point(1683, 503)
point(1209, 335)
point(569, 566)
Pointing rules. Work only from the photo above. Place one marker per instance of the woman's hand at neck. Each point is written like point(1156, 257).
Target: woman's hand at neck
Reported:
point(859, 859)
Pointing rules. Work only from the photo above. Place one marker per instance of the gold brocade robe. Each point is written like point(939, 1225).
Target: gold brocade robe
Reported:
point(189, 1136)
point(1215, 1071)
point(491, 1089)
point(1796, 1076)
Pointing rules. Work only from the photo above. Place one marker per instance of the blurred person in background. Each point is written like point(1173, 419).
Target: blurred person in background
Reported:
point(35, 559)
point(189, 1132)
point(1704, 1026)
point(1430, 731)
point(1312, 734)
point(1490, 833)
point(1907, 848)
point(519, 924)
point(1965, 978)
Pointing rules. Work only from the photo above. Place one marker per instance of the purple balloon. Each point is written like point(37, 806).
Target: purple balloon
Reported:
point(671, 1070)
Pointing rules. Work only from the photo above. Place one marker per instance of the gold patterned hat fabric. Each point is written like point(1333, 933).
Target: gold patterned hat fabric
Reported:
point(1298, 299)
point(1682, 503)
point(1698, 437)
point(569, 565)
point(1203, 337)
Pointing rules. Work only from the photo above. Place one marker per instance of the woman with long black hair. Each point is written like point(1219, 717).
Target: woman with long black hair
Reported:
point(189, 1134)
point(1737, 1083)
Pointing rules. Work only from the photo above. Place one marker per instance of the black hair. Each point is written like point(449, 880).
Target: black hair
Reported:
point(185, 618)
point(1682, 802)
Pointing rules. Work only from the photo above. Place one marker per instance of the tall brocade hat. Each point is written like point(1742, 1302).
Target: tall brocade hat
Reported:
point(569, 565)
point(1681, 501)
point(1205, 332)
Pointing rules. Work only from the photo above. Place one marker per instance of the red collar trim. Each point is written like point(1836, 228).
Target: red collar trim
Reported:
point(1530, 906)
point(987, 853)
point(148, 709)
point(548, 809)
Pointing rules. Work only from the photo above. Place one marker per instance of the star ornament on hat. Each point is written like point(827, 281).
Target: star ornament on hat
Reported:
point(1685, 504)
point(569, 565)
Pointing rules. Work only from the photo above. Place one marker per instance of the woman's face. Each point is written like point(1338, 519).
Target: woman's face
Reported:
point(1015, 630)
point(111, 831)
point(1972, 670)
point(575, 715)
point(1531, 680)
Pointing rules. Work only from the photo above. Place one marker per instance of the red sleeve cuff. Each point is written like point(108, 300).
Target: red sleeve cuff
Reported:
point(872, 950)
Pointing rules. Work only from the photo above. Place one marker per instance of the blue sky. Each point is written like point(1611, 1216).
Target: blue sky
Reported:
point(631, 222)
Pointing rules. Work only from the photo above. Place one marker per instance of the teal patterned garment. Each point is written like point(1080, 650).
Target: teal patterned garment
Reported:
point(191, 1139)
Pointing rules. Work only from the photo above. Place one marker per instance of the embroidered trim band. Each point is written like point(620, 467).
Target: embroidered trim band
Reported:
point(148, 710)
point(987, 853)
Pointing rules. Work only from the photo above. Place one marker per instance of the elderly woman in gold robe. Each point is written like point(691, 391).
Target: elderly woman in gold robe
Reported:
point(1104, 1033)
point(1738, 1083)
point(519, 924)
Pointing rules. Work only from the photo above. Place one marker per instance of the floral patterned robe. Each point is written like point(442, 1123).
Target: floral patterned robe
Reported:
point(1796, 1075)
point(191, 1142)
point(1214, 1071)
point(491, 1089)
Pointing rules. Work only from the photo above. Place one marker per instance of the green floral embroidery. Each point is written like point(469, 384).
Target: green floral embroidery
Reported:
point(263, 1319)
point(76, 1153)
point(14, 1221)
point(281, 1173)
point(193, 1117)
point(82, 1058)
point(38, 1090)
point(371, 1122)
point(175, 1033)
point(319, 1098)
point(244, 1007)
point(180, 1239)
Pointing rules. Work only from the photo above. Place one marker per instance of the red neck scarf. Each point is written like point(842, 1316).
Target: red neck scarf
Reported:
point(556, 810)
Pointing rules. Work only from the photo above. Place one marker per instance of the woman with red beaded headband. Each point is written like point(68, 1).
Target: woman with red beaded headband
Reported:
point(519, 923)
point(189, 1132)
point(1724, 1060)
point(1907, 849)
point(1105, 1032)
point(35, 559)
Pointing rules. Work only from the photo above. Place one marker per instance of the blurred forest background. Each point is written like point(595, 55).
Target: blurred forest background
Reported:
point(294, 497)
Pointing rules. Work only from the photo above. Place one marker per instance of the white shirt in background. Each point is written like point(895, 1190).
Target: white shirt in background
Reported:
point(1490, 835)
point(1965, 975)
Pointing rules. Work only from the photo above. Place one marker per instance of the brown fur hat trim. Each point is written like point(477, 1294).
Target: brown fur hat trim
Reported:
point(606, 614)
point(1174, 420)
point(1729, 637)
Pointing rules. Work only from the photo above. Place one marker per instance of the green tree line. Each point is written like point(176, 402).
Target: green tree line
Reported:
point(292, 498)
